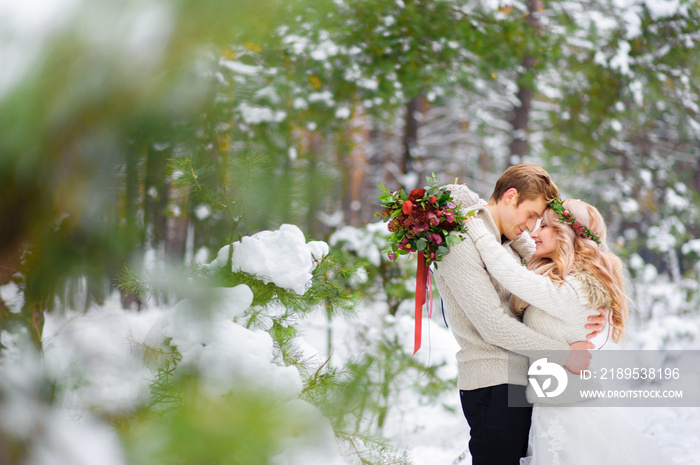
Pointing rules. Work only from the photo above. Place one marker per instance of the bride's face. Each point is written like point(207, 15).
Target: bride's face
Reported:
point(545, 242)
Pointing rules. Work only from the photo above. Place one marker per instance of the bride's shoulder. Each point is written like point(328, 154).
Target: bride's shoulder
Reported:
point(592, 288)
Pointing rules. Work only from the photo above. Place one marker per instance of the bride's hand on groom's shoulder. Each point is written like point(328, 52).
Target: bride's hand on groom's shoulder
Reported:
point(471, 218)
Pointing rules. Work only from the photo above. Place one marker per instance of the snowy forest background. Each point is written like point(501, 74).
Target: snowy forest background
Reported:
point(190, 269)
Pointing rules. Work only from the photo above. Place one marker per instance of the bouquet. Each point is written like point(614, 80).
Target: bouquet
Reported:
point(421, 223)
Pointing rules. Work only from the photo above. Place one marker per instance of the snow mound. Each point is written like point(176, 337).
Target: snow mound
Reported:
point(223, 352)
point(316, 445)
point(91, 355)
point(238, 356)
point(282, 257)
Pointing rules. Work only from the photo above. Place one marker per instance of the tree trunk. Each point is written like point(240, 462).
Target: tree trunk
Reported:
point(33, 315)
point(520, 117)
point(410, 136)
point(131, 194)
point(156, 202)
point(131, 206)
point(286, 190)
point(357, 171)
point(355, 164)
point(312, 190)
point(520, 120)
point(157, 194)
point(176, 238)
point(10, 262)
point(176, 227)
point(95, 287)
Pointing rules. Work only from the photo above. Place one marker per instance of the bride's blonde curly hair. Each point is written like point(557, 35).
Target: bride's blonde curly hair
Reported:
point(582, 254)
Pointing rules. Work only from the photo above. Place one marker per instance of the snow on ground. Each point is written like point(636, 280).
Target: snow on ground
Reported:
point(432, 432)
point(97, 348)
point(97, 356)
point(93, 353)
point(437, 433)
point(97, 361)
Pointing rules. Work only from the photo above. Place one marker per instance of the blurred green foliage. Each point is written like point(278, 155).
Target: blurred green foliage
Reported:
point(136, 125)
point(244, 428)
point(87, 130)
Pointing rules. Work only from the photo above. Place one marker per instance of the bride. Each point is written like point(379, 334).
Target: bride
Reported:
point(571, 272)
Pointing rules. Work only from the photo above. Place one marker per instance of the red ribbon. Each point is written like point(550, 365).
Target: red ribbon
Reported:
point(422, 277)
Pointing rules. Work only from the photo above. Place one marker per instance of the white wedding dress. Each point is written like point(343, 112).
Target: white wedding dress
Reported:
point(577, 435)
point(581, 434)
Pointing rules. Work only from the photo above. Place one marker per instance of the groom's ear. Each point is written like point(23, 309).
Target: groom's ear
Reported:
point(510, 196)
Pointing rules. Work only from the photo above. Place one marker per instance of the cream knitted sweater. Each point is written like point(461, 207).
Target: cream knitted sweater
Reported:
point(557, 310)
point(490, 337)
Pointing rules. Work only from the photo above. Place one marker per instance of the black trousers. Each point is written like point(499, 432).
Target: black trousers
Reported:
point(498, 433)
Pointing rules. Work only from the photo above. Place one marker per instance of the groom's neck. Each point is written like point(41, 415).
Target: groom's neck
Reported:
point(495, 212)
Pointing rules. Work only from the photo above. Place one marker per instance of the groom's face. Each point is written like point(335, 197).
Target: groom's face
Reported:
point(518, 218)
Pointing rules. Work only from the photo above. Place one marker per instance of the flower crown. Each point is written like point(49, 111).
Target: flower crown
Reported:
point(557, 205)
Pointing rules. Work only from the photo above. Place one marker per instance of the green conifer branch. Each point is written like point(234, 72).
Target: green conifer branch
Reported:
point(132, 283)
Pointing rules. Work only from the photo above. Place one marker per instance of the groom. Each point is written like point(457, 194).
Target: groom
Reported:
point(489, 335)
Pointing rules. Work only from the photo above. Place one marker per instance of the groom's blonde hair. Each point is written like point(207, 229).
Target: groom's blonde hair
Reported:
point(530, 180)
